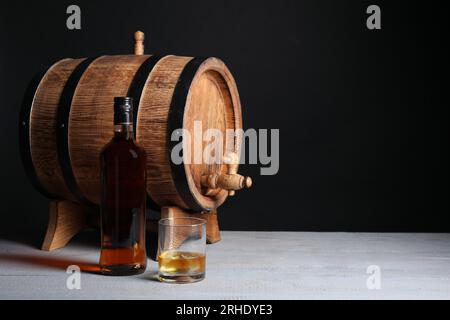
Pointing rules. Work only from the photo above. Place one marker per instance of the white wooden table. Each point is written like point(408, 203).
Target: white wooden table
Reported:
point(250, 265)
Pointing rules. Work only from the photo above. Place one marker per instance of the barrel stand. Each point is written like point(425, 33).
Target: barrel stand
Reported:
point(67, 219)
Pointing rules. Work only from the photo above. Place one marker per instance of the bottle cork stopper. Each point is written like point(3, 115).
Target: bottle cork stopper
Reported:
point(139, 43)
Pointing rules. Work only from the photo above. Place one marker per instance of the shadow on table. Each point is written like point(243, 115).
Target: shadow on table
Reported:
point(52, 262)
point(150, 276)
point(88, 238)
point(34, 238)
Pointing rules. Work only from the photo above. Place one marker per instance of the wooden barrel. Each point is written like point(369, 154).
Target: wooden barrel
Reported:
point(67, 118)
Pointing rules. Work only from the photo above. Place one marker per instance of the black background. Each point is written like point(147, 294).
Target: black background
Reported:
point(363, 115)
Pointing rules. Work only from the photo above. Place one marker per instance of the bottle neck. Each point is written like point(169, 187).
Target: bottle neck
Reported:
point(123, 131)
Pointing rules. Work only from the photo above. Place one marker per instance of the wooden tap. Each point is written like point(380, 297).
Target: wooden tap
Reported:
point(230, 181)
point(225, 181)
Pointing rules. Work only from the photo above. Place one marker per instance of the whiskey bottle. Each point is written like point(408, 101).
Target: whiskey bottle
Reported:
point(123, 178)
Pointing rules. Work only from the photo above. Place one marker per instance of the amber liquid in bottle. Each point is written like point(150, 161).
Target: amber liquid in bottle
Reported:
point(123, 198)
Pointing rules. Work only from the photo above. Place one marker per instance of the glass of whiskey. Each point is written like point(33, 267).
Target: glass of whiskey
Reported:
point(181, 250)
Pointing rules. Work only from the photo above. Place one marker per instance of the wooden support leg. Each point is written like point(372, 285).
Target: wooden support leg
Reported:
point(212, 224)
point(66, 219)
point(212, 229)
